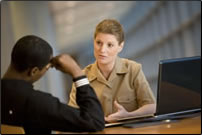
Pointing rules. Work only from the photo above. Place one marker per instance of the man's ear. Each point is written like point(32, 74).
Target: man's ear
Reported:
point(33, 71)
point(121, 47)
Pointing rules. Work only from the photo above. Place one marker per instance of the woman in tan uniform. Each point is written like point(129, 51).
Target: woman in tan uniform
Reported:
point(120, 84)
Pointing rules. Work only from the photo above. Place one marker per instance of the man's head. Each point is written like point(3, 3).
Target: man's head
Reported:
point(31, 55)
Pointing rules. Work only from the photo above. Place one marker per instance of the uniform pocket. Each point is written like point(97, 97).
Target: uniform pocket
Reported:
point(128, 102)
point(126, 99)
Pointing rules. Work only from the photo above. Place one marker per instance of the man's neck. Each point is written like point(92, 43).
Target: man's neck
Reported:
point(11, 73)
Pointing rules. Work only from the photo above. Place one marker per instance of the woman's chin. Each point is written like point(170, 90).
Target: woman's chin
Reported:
point(102, 62)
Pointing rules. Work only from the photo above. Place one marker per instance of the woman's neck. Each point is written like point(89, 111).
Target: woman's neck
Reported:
point(106, 69)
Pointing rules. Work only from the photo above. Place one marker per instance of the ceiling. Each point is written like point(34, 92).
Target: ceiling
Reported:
point(75, 21)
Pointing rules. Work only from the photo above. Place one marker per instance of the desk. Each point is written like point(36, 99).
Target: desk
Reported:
point(182, 126)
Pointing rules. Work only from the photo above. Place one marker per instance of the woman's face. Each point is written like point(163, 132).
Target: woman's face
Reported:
point(106, 48)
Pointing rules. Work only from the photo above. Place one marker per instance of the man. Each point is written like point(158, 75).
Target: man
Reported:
point(40, 112)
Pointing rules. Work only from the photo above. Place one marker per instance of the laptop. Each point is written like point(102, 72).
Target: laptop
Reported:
point(179, 90)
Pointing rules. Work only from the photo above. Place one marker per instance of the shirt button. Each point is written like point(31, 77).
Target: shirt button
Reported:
point(10, 112)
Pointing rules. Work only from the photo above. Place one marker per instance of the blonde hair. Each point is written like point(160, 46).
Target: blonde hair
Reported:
point(110, 26)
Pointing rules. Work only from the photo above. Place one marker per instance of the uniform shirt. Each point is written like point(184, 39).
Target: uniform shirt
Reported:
point(127, 84)
point(40, 112)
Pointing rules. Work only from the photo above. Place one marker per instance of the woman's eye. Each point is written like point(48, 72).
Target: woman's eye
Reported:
point(98, 42)
point(110, 45)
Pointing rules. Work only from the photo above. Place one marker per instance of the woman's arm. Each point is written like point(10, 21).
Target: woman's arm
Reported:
point(122, 113)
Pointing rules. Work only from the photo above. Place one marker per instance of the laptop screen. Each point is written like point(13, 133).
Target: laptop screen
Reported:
point(179, 85)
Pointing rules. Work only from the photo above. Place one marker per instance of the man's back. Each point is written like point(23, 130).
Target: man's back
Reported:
point(40, 112)
point(14, 96)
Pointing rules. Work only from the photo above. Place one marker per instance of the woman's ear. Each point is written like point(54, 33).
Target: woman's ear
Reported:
point(121, 47)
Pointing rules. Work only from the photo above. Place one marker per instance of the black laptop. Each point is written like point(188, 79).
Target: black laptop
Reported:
point(179, 90)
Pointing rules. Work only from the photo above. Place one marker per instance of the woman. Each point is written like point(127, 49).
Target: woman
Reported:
point(119, 83)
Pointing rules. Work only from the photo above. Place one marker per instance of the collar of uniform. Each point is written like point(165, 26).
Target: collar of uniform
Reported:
point(119, 68)
point(96, 74)
point(92, 73)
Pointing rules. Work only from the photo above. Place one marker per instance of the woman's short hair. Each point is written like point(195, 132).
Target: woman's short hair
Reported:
point(110, 26)
point(30, 51)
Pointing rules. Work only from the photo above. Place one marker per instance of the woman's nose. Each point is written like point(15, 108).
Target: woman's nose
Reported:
point(103, 48)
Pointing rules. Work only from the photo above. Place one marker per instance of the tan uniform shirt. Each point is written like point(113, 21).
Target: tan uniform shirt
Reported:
point(126, 84)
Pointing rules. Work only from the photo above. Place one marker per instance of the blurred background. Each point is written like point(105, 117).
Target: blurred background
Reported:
point(154, 30)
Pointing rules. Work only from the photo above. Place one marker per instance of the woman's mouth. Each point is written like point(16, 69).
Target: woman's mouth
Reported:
point(102, 56)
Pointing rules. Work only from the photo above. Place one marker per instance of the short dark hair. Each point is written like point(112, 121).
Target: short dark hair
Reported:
point(30, 51)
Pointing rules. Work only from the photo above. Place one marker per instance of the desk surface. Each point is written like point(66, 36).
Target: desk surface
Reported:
point(182, 126)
